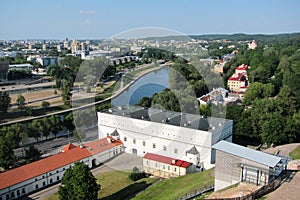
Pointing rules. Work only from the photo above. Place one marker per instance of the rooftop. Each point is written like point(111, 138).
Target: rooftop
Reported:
point(237, 77)
point(70, 154)
point(242, 67)
point(167, 160)
point(192, 121)
point(247, 153)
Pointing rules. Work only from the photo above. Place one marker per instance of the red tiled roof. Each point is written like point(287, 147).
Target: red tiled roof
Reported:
point(73, 154)
point(68, 147)
point(167, 160)
point(242, 67)
point(205, 98)
point(238, 78)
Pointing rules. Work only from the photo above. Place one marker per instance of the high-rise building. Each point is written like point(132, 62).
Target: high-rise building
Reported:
point(74, 46)
point(83, 46)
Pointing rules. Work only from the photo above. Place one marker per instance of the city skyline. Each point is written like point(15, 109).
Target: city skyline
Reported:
point(102, 19)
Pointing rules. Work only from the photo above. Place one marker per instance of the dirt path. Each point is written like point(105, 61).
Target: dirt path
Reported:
point(283, 149)
point(290, 189)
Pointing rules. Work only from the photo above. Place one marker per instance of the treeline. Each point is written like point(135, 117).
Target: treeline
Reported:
point(270, 112)
point(16, 135)
point(247, 37)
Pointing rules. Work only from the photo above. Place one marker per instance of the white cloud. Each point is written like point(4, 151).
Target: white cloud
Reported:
point(87, 12)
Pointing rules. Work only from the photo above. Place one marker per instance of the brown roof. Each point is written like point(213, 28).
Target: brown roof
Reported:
point(205, 98)
point(71, 155)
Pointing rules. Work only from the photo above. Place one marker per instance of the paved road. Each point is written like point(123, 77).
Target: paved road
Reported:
point(54, 146)
point(124, 161)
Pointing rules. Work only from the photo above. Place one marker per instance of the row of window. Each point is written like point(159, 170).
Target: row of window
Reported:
point(153, 145)
point(164, 167)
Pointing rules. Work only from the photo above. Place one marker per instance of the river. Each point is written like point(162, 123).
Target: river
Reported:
point(149, 84)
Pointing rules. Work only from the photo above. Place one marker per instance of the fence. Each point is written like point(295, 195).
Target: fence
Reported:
point(258, 193)
point(196, 193)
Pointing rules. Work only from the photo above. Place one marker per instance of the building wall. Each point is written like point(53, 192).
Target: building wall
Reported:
point(228, 170)
point(164, 170)
point(140, 137)
point(56, 175)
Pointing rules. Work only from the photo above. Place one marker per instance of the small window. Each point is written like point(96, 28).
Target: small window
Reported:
point(64, 169)
point(176, 151)
point(156, 165)
point(23, 190)
point(147, 162)
point(36, 186)
point(144, 143)
point(56, 171)
point(175, 169)
point(51, 180)
point(50, 174)
point(165, 148)
point(125, 139)
point(168, 167)
point(57, 178)
point(163, 166)
point(154, 145)
point(18, 192)
point(134, 141)
point(44, 183)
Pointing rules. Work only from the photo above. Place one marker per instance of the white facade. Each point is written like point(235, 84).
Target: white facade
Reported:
point(165, 170)
point(142, 136)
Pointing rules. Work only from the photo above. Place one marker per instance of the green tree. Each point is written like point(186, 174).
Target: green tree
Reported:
point(257, 90)
point(35, 129)
point(136, 174)
point(55, 124)
point(69, 122)
point(32, 154)
point(7, 144)
point(21, 102)
point(45, 104)
point(66, 91)
point(46, 127)
point(4, 101)
point(78, 183)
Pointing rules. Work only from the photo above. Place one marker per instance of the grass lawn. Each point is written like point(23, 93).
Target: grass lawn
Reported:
point(174, 188)
point(295, 154)
point(116, 185)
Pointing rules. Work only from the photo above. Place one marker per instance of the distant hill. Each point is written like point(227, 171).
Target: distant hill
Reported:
point(232, 37)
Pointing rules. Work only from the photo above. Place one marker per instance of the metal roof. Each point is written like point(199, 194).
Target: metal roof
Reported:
point(247, 153)
point(187, 120)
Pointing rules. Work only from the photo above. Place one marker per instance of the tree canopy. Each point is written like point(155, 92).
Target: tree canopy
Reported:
point(78, 183)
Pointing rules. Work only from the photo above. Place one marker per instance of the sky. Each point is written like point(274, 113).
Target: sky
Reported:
point(101, 19)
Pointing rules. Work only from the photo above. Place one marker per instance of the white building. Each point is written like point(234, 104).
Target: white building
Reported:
point(28, 178)
point(45, 61)
point(165, 133)
point(21, 66)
